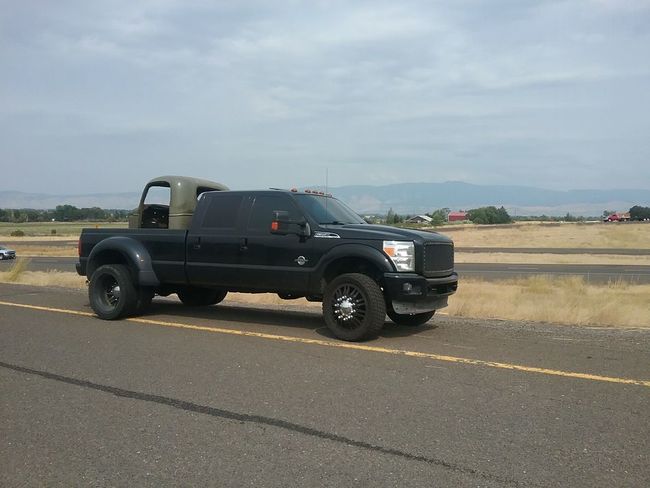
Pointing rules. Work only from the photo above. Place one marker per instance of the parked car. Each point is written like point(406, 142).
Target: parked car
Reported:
point(293, 243)
point(6, 253)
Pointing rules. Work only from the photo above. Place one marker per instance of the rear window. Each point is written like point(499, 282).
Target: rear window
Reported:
point(222, 211)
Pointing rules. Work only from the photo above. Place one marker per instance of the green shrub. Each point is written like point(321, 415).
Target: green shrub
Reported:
point(18, 233)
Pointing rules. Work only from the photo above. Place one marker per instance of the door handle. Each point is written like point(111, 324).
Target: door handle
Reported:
point(197, 244)
point(243, 244)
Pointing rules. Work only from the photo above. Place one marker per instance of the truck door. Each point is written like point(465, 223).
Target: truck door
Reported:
point(213, 242)
point(271, 261)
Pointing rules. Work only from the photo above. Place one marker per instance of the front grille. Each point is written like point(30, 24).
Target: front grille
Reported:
point(438, 259)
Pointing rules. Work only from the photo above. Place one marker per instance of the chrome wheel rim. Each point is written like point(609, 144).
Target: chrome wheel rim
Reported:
point(349, 306)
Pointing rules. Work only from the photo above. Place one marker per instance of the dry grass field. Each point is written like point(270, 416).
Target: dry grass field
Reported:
point(18, 273)
point(61, 229)
point(570, 301)
point(596, 235)
point(567, 300)
point(28, 250)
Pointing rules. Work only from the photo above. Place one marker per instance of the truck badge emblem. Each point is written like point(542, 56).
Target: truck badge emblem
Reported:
point(301, 260)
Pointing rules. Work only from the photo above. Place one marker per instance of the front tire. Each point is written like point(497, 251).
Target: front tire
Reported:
point(353, 307)
point(200, 297)
point(409, 319)
point(111, 292)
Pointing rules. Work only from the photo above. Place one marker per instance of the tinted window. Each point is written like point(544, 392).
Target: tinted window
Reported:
point(328, 210)
point(222, 211)
point(263, 208)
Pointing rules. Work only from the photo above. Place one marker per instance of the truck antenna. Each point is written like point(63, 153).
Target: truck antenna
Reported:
point(326, 187)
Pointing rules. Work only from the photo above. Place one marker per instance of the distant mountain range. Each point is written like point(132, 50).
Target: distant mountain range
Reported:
point(519, 200)
point(16, 199)
point(405, 198)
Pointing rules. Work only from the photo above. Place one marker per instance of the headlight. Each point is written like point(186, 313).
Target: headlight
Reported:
point(402, 253)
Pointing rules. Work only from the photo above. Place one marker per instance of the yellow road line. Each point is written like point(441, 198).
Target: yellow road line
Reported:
point(355, 347)
point(47, 309)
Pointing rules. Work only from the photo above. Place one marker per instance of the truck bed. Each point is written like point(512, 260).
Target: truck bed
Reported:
point(167, 249)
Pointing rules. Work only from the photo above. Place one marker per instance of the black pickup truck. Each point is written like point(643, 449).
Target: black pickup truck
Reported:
point(289, 242)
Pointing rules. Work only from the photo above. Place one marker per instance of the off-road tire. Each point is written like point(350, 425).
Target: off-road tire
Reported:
point(200, 297)
point(409, 319)
point(111, 292)
point(353, 307)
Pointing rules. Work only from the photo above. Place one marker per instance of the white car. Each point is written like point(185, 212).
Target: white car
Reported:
point(7, 253)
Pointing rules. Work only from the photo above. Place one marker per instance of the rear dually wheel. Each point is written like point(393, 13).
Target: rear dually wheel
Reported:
point(111, 292)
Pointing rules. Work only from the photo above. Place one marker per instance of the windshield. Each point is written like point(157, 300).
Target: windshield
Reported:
point(328, 210)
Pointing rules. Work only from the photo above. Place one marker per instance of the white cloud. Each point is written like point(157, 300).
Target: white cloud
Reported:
point(475, 90)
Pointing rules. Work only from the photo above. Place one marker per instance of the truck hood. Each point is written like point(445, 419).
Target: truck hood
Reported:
point(384, 233)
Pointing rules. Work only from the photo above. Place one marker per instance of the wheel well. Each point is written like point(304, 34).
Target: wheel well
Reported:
point(351, 265)
point(108, 257)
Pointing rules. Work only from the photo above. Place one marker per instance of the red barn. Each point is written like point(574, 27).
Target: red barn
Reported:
point(457, 216)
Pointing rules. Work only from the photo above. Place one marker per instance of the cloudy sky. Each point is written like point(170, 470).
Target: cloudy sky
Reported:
point(102, 96)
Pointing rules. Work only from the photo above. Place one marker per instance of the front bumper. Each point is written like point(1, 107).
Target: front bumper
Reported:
point(413, 293)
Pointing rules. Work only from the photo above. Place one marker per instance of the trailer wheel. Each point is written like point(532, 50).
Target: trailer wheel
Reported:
point(354, 307)
point(111, 292)
point(409, 319)
point(200, 297)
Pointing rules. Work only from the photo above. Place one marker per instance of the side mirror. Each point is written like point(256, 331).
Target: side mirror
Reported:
point(282, 225)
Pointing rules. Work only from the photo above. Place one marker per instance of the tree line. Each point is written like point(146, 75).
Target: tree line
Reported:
point(639, 213)
point(494, 215)
point(482, 215)
point(62, 213)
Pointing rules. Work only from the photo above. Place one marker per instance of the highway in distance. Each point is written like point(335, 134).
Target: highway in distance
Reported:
point(238, 395)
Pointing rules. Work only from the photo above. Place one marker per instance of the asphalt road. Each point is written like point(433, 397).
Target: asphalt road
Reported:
point(595, 273)
point(556, 250)
point(487, 271)
point(240, 396)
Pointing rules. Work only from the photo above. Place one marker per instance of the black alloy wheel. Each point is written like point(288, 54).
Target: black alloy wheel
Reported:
point(353, 307)
point(111, 292)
